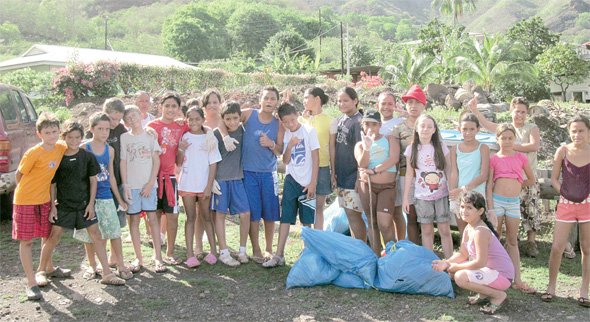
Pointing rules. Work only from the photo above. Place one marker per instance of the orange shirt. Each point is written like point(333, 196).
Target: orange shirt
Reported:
point(38, 167)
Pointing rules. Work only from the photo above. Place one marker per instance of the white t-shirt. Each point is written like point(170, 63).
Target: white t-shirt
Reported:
point(195, 168)
point(148, 118)
point(387, 126)
point(137, 152)
point(301, 165)
point(431, 183)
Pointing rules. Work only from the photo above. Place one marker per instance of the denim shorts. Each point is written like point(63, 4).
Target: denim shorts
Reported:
point(291, 205)
point(140, 203)
point(324, 186)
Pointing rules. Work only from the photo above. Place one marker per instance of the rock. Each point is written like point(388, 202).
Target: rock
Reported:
point(481, 98)
point(545, 103)
point(435, 90)
point(451, 102)
point(487, 110)
point(499, 108)
point(538, 110)
point(202, 295)
point(468, 85)
point(478, 89)
point(463, 94)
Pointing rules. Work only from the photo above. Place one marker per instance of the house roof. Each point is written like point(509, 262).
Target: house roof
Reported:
point(58, 56)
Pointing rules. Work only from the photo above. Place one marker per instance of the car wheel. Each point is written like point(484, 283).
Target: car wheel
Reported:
point(6, 206)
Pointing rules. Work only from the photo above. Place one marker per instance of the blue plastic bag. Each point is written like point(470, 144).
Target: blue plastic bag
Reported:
point(350, 280)
point(310, 270)
point(344, 253)
point(335, 219)
point(407, 269)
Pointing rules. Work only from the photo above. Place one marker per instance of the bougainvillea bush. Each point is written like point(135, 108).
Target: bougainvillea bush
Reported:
point(80, 79)
point(367, 82)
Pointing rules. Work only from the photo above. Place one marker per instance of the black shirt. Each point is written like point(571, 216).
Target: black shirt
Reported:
point(114, 140)
point(72, 180)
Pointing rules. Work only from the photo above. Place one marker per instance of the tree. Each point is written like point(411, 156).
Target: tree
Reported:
point(360, 53)
point(494, 59)
point(251, 27)
point(534, 36)
point(563, 65)
point(405, 30)
point(454, 7)
point(435, 35)
point(411, 67)
point(291, 40)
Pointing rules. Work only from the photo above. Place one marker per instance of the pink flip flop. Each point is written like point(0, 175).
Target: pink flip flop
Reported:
point(210, 259)
point(192, 262)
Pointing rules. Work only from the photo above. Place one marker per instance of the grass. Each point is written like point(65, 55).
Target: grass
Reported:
point(153, 304)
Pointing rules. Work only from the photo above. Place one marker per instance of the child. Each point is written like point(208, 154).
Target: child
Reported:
point(429, 157)
point(74, 185)
point(313, 101)
point(377, 155)
point(104, 207)
point(230, 175)
point(263, 141)
point(528, 141)
point(505, 181)
point(345, 133)
point(415, 100)
point(387, 105)
point(470, 161)
point(301, 156)
point(169, 134)
point(211, 102)
point(143, 102)
point(32, 200)
point(196, 182)
point(140, 163)
point(489, 272)
point(572, 161)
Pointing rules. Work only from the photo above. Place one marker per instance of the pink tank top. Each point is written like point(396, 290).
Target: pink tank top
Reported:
point(498, 258)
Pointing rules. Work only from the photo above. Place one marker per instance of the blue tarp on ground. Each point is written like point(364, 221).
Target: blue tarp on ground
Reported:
point(405, 269)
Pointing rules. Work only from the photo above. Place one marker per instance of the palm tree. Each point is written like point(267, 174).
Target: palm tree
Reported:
point(454, 7)
point(411, 67)
point(495, 58)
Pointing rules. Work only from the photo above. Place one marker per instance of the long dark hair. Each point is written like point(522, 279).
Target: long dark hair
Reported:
point(478, 201)
point(439, 155)
point(316, 91)
point(200, 112)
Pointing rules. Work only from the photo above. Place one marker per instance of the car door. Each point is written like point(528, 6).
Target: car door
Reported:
point(14, 130)
point(30, 129)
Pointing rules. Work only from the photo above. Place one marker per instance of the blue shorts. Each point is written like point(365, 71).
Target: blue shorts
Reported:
point(324, 186)
point(292, 191)
point(233, 197)
point(139, 203)
point(506, 206)
point(262, 189)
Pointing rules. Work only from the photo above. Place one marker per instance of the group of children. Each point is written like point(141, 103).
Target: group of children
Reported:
point(226, 156)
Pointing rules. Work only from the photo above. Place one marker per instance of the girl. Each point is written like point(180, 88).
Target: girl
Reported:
point(387, 105)
point(527, 141)
point(572, 161)
point(196, 181)
point(505, 181)
point(211, 103)
point(429, 161)
point(415, 100)
point(345, 132)
point(377, 156)
point(470, 161)
point(313, 100)
point(489, 272)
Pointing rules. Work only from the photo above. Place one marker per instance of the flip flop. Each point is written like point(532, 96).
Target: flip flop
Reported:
point(524, 287)
point(135, 267)
point(200, 256)
point(547, 297)
point(476, 300)
point(89, 274)
point(159, 267)
point(210, 259)
point(170, 260)
point(583, 301)
point(60, 272)
point(124, 274)
point(492, 309)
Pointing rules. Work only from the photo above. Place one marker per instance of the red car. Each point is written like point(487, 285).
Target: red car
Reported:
point(17, 135)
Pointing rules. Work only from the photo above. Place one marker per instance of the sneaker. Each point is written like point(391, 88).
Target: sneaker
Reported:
point(228, 260)
point(531, 249)
point(33, 293)
point(41, 278)
point(242, 258)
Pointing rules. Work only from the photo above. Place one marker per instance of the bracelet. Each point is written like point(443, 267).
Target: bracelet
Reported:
point(274, 145)
point(374, 170)
point(181, 150)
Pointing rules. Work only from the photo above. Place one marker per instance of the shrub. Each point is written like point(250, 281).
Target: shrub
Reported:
point(80, 79)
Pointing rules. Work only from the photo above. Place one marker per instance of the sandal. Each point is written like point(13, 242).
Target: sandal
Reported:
point(60, 272)
point(583, 301)
point(210, 259)
point(135, 267)
point(124, 274)
point(199, 256)
point(477, 300)
point(89, 274)
point(492, 309)
point(170, 260)
point(547, 297)
point(257, 259)
point(274, 262)
point(228, 260)
point(112, 279)
point(159, 267)
point(41, 278)
point(268, 256)
point(569, 255)
point(242, 258)
point(192, 262)
point(524, 287)
point(34, 293)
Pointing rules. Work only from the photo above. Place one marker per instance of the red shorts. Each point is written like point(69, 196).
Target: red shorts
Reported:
point(569, 211)
point(190, 194)
point(30, 221)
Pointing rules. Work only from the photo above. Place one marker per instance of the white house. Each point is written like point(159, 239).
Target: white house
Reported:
point(45, 57)
point(577, 92)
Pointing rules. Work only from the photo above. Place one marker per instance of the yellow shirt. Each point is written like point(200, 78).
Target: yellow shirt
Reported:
point(321, 123)
point(38, 167)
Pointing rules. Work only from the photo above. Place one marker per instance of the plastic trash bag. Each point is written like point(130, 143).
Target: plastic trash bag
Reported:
point(335, 219)
point(310, 270)
point(344, 253)
point(350, 280)
point(407, 269)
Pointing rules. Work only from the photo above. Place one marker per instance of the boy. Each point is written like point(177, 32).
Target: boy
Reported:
point(263, 141)
point(104, 207)
point(32, 200)
point(230, 175)
point(301, 156)
point(169, 135)
point(140, 163)
point(143, 102)
point(74, 185)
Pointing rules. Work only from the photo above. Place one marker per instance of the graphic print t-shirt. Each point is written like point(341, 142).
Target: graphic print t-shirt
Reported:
point(301, 165)
point(137, 152)
point(431, 183)
point(169, 135)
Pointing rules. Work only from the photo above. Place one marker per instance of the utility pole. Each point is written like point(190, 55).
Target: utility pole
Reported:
point(341, 51)
point(106, 32)
point(320, 15)
point(347, 52)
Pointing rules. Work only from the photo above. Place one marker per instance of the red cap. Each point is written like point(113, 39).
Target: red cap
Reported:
point(416, 93)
